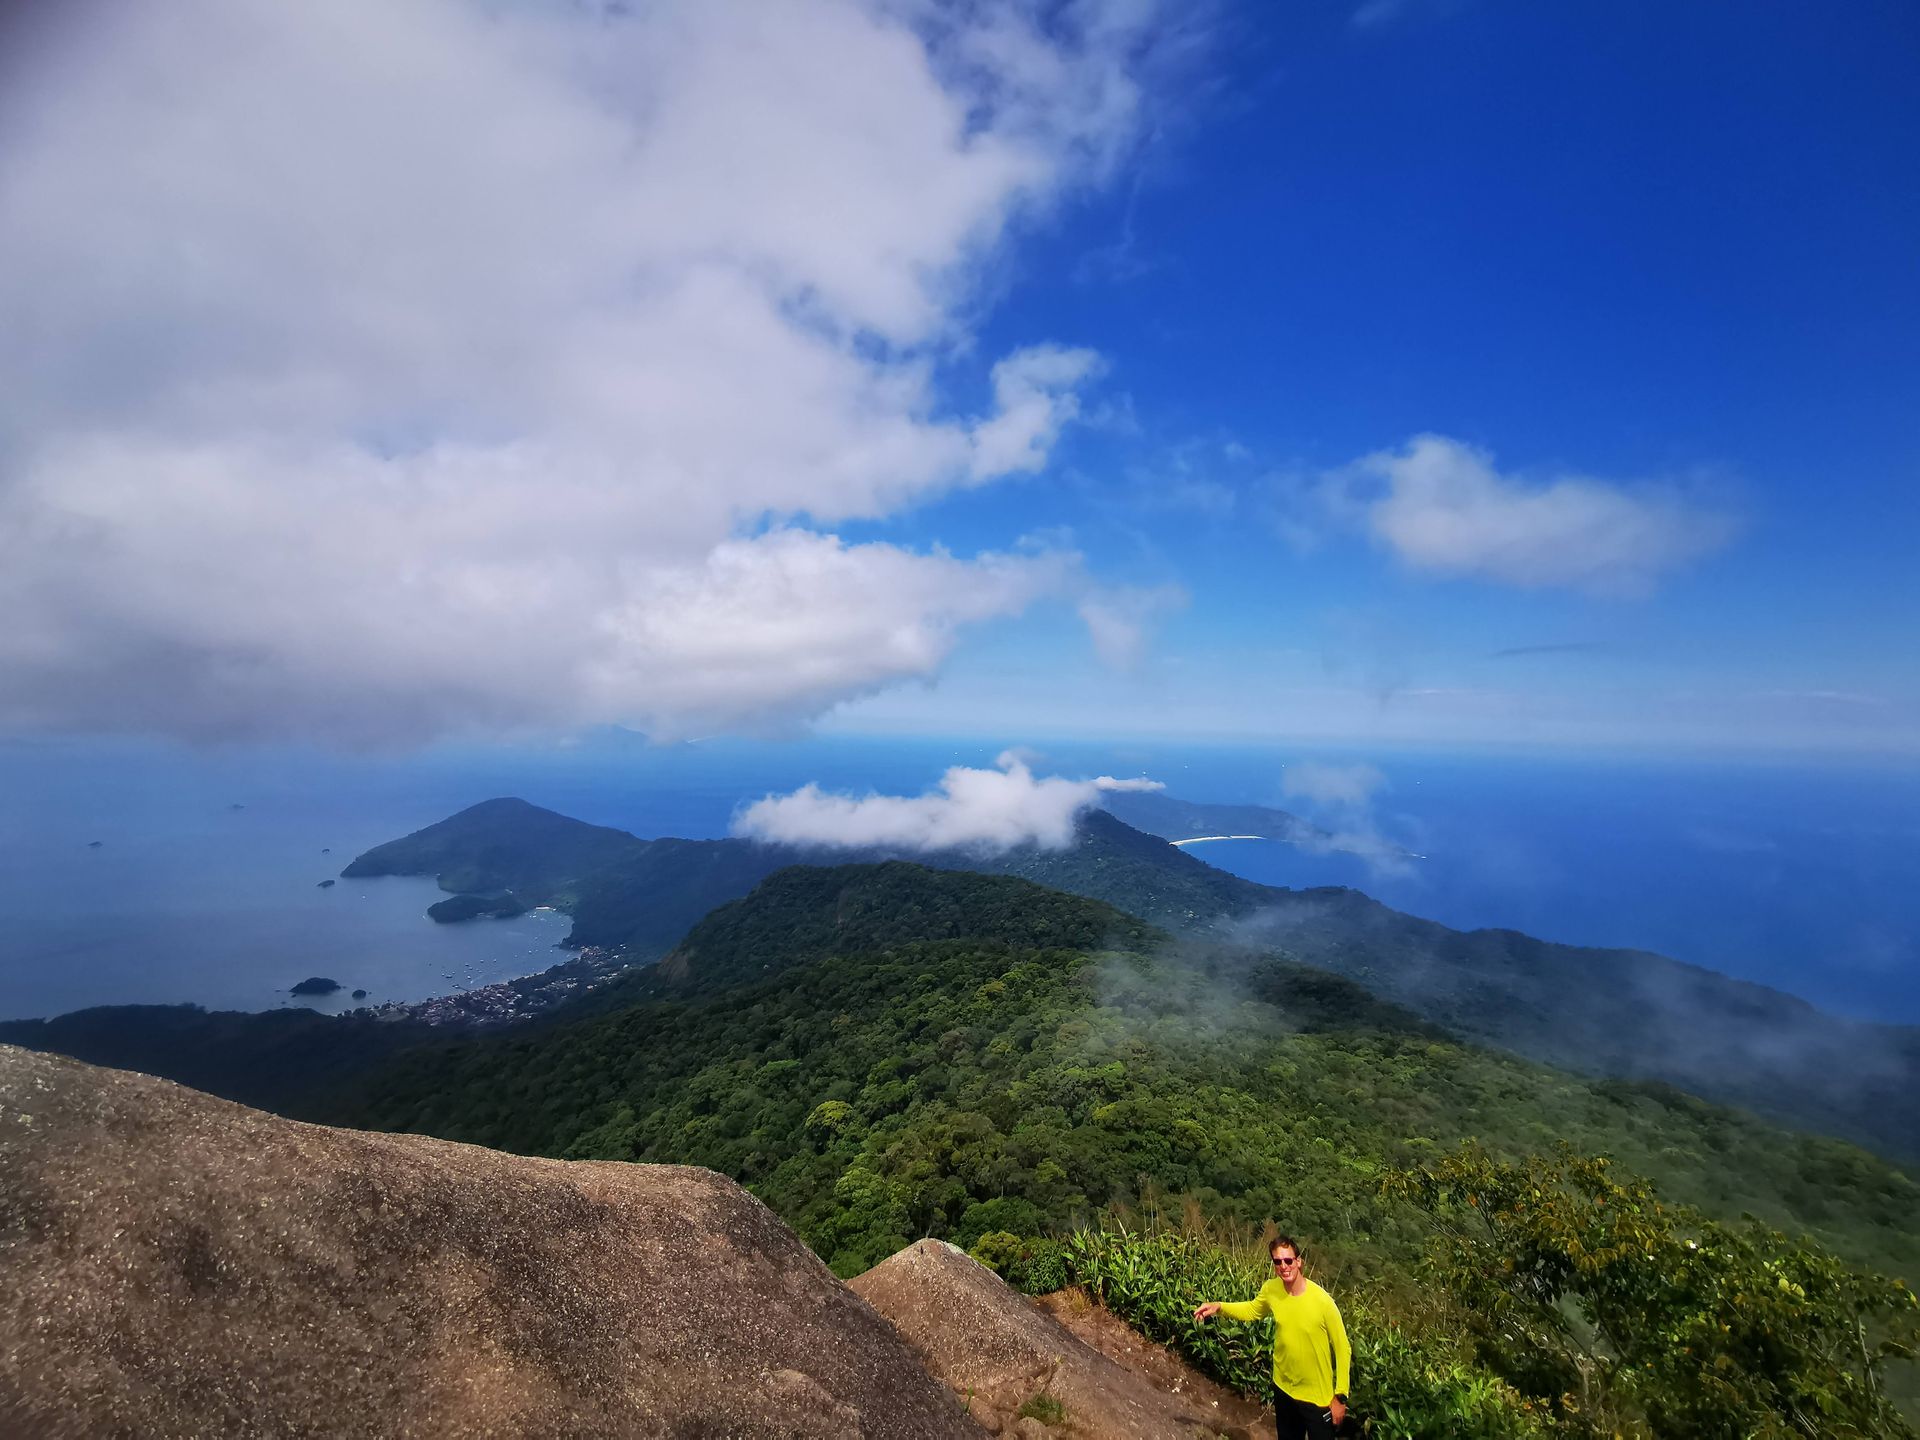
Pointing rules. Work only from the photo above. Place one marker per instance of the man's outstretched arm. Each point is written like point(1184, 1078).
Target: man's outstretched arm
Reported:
point(1254, 1309)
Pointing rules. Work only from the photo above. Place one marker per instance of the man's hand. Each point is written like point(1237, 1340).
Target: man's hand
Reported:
point(1207, 1311)
point(1339, 1408)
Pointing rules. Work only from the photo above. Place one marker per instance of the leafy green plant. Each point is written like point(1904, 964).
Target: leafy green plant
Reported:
point(1583, 1288)
point(1045, 1408)
point(1045, 1269)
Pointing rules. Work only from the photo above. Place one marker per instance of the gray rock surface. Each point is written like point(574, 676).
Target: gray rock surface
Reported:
point(990, 1343)
point(175, 1265)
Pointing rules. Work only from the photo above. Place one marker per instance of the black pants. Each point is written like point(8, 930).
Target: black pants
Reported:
point(1297, 1420)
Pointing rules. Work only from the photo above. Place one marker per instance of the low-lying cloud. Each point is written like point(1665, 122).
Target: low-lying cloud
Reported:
point(1340, 799)
point(1332, 785)
point(378, 371)
point(981, 810)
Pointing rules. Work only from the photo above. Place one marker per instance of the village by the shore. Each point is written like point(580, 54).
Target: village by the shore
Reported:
point(510, 1000)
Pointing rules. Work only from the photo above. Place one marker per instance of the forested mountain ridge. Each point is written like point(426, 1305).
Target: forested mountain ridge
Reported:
point(1604, 1011)
point(276, 1060)
point(952, 1086)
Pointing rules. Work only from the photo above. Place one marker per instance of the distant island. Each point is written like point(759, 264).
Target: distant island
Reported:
point(471, 907)
point(316, 985)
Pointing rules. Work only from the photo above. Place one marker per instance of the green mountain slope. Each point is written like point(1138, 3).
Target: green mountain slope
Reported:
point(874, 1086)
point(806, 912)
point(1602, 1011)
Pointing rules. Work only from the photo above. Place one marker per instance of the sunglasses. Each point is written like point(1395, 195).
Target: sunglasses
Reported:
point(1279, 1260)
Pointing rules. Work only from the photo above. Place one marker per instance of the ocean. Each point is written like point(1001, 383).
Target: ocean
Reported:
point(204, 884)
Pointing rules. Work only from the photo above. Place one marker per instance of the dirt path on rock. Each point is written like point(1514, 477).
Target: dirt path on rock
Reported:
point(1156, 1364)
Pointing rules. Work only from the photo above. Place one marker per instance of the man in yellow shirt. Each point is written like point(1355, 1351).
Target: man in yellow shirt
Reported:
point(1311, 1358)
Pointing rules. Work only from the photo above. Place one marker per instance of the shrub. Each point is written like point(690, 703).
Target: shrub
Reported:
point(1035, 1264)
point(1618, 1310)
point(1000, 1251)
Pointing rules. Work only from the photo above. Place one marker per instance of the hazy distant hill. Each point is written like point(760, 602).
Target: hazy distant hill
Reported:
point(1605, 1011)
point(503, 844)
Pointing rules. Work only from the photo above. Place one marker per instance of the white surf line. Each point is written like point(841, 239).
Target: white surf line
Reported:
point(1203, 839)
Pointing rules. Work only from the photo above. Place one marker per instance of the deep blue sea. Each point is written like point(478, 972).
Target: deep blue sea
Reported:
point(204, 885)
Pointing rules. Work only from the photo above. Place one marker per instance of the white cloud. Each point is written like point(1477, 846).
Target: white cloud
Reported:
point(379, 370)
point(1035, 392)
point(1445, 508)
point(1137, 783)
point(990, 810)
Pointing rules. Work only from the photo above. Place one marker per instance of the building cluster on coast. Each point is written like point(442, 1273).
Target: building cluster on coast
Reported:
point(511, 1000)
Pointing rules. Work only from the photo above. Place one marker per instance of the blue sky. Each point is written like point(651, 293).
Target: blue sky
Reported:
point(1422, 371)
point(1651, 244)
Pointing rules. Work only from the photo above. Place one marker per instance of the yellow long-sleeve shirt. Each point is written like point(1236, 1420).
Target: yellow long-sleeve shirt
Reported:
point(1311, 1357)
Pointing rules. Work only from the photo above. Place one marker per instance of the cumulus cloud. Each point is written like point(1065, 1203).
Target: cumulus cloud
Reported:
point(990, 810)
point(1445, 508)
point(383, 370)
